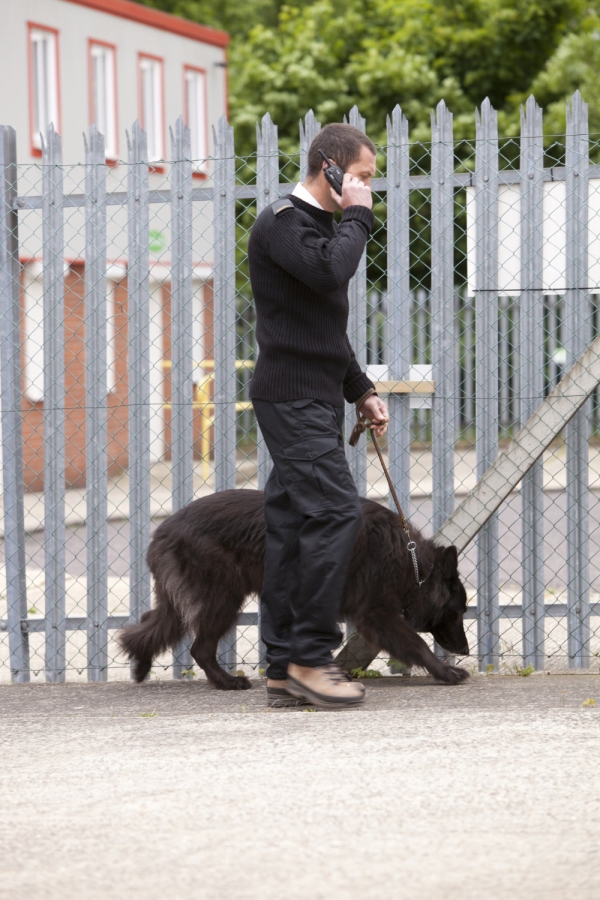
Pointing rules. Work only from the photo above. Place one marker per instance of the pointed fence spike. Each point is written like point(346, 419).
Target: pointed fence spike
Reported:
point(307, 134)
point(356, 119)
point(397, 126)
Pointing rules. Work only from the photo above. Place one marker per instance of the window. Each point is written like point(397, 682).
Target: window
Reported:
point(43, 74)
point(103, 94)
point(196, 116)
point(151, 104)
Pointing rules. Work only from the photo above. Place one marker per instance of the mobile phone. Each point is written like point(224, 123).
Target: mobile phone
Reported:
point(333, 174)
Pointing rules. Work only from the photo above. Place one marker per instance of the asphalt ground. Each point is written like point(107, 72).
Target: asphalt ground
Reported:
point(170, 789)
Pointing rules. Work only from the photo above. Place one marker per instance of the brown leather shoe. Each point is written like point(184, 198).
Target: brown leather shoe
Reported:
point(324, 686)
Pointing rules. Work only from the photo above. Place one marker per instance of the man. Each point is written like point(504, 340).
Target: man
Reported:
point(300, 265)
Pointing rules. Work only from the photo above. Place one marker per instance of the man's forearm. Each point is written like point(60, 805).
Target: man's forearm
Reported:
point(356, 382)
point(323, 264)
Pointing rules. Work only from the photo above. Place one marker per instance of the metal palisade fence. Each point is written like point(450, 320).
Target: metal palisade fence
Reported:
point(128, 344)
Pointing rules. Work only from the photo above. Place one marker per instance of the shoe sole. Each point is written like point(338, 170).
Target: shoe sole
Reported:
point(278, 698)
point(301, 692)
point(282, 703)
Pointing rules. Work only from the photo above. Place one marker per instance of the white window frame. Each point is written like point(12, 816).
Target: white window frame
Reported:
point(103, 94)
point(196, 110)
point(152, 104)
point(43, 49)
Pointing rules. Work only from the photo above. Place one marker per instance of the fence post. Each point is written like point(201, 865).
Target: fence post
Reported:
point(577, 332)
point(531, 380)
point(486, 368)
point(357, 334)
point(505, 315)
point(468, 332)
point(54, 405)
point(182, 376)
point(225, 381)
point(12, 439)
point(308, 132)
point(96, 410)
point(398, 300)
point(443, 416)
point(267, 191)
point(444, 405)
point(182, 369)
point(138, 370)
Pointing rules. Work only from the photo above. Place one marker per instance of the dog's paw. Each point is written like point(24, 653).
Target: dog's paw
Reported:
point(452, 675)
point(241, 683)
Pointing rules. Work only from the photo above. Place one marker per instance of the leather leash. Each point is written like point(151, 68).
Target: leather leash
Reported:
point(360, 427)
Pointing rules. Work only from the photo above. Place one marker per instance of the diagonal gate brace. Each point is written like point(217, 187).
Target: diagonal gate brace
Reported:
point(503, 476)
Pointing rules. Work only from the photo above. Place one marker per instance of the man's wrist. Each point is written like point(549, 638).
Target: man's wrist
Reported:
point(362, 214)
point(370, 393)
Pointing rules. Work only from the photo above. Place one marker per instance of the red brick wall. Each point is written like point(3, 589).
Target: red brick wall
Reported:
point(33, 427)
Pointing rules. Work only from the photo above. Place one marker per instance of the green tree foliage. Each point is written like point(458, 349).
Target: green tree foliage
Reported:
point(377, 53)
point(574, 66)
point(235, 16)
point(329, 54)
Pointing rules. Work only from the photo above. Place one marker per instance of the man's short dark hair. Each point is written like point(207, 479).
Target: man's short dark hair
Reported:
point(339, 142)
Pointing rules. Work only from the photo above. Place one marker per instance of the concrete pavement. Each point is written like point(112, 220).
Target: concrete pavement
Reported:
point(168, 789)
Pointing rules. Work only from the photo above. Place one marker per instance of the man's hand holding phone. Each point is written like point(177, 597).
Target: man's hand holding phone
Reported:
point(354, 193)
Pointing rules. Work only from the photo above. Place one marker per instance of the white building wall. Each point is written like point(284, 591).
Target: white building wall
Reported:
point(76, 25)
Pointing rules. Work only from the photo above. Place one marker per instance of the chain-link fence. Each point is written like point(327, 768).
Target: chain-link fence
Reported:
point(128, 345)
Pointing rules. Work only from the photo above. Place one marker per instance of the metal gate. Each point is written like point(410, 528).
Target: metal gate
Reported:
point(128, 343)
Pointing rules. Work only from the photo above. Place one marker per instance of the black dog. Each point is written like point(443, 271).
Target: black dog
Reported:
point(208, 557)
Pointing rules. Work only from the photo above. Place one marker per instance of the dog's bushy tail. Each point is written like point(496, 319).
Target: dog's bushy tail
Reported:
point(158, 630)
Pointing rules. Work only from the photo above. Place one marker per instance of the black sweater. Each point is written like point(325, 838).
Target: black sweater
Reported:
point(300, 265)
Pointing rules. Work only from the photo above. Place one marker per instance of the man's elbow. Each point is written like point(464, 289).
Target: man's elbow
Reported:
point(327, 282)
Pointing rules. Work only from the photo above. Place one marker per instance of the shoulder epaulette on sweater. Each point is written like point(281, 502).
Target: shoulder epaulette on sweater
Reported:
point(281, 206)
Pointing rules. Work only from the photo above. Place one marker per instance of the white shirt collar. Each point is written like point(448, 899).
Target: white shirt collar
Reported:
point(301, 192)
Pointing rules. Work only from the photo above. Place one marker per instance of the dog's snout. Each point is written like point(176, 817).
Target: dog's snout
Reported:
point(453, 640)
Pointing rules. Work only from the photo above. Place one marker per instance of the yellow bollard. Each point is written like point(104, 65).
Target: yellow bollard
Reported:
point(202, 402)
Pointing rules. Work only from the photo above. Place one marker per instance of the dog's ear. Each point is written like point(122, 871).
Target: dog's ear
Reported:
point(449, 562)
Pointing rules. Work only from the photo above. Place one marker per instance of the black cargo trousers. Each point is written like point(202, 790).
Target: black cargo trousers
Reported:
point(313, 515)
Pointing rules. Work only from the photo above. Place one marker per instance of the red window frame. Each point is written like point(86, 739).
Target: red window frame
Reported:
point(190, 68)
point(161, 60)
point(37, 26)
point(111, 160)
